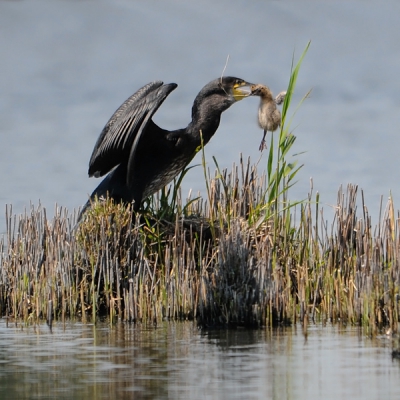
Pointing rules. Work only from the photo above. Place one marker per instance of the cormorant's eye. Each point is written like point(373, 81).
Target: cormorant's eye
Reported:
point(238, 82)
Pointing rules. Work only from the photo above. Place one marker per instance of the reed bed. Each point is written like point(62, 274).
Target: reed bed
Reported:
point(215, 263)
point(243, 256)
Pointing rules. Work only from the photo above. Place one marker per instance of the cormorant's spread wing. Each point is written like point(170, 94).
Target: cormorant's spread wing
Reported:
point(127, 123)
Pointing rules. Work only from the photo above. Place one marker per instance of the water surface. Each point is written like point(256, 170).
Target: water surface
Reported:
point(179, 362)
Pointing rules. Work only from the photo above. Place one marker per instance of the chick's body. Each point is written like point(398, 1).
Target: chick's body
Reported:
point(269, 116)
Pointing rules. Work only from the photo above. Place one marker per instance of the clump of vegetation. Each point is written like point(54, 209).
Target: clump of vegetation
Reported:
point(236, 258)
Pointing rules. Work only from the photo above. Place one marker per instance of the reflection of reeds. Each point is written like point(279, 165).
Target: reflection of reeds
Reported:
point(239, 273)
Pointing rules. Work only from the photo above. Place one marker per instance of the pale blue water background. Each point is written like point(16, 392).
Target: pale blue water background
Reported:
point(176, 361)
point(67, 65)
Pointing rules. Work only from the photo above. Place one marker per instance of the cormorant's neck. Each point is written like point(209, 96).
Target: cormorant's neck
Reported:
point(206, 116)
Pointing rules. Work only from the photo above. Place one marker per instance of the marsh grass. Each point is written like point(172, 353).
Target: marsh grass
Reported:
point(241, 273)
point(235, 258)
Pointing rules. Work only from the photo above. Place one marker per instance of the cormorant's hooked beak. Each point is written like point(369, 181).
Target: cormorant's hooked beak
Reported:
point(242, 90)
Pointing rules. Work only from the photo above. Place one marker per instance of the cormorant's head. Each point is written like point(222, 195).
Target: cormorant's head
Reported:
point(227, 88)
point(235, 87)
point(220, 94)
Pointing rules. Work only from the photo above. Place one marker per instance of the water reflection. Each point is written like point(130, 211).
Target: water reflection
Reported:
point(177, 361)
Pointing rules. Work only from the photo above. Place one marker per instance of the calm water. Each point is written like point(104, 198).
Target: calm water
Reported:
point(177, 361)
point(67, 65)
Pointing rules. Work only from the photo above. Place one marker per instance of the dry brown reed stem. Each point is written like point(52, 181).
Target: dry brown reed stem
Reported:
point(246, 270)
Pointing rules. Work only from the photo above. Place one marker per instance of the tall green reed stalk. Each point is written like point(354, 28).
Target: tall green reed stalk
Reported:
point(280, 172)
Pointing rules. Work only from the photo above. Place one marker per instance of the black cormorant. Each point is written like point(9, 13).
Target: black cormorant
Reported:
point(143, 157)
point(269, 117)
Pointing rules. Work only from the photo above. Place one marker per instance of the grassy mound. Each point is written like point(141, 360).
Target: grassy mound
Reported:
point(244, 256)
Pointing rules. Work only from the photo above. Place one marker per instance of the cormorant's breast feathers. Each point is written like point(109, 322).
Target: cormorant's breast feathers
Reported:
point(120, 136)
